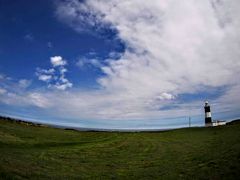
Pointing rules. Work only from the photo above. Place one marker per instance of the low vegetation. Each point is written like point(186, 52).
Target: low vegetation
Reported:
point(36, 152)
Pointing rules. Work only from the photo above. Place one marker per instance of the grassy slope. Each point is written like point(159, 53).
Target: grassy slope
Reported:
point(42, 152)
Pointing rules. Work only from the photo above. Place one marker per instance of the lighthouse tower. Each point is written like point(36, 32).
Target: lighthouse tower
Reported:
point(208, 116)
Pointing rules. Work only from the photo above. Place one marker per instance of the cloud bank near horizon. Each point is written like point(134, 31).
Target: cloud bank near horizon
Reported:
point(172, 49)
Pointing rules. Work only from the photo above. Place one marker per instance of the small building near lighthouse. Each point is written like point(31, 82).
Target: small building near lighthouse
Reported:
point(218, 123)
point(208, 117)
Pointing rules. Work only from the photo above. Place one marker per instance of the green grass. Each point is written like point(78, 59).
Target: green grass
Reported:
point(47, 153)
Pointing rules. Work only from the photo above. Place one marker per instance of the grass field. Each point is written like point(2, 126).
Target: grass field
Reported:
point(42, 152)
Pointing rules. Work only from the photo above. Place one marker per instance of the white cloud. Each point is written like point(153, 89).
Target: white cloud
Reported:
point(64, 85)
point(165, 96)
point(24, 83)
point(16, 93)
point(58, 61)
point(85, 20)
point(2, 91)
point(44, 77)
point(3, 77)
point(63, 70)
point(26, 99)
point(83, 62)
point(55, 76)
point(38, 100)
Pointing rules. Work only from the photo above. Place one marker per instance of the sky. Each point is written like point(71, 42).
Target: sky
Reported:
point(119, 64)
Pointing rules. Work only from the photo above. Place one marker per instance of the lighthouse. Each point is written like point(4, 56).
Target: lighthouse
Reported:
point(208, 116)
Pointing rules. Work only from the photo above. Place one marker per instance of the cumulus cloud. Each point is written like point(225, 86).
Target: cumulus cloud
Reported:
point(55, 76)
point(58, 61)
point(45, 77)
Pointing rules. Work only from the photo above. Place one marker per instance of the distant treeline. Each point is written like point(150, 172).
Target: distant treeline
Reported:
point(237, 121)
point(14, 120)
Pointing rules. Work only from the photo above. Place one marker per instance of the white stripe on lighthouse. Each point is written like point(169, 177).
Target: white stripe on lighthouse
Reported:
point(208, 114)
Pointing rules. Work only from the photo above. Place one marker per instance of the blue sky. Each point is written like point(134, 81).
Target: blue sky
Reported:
point(119, 64)
point(28, 29)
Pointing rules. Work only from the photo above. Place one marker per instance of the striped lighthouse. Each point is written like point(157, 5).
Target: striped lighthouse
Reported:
point(208, 116)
